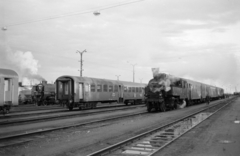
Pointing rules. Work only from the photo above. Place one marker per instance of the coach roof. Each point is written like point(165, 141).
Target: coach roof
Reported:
point(8, 73)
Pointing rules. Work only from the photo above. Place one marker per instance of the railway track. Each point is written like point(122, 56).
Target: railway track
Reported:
point(50, 111)
point(151, 142)
point(33, 108)
point(9, 140)
point(62, 116)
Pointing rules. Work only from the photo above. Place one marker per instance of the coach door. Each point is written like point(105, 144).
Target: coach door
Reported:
point(189, 91)
point(64, 89)
point(80, 88)
point(7, 91)
point(120, 93)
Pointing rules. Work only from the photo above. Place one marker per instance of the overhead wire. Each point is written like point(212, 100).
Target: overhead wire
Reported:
point(73, 13)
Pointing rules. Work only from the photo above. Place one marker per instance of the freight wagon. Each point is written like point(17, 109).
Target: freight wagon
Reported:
point(167, 92)
point(86, 92)
point(8, 89)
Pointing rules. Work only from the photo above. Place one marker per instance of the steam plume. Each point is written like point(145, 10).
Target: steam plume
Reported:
point(22, 62)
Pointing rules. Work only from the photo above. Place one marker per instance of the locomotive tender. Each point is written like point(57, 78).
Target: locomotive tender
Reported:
point(25, 96)
point(165, 91)
point(43, 93)
point(8, 89)
point(86, 92)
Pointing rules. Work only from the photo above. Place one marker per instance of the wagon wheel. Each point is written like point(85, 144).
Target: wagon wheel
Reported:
point(38, 103)
point(70, 107)
point(4, 109)
point(7, 109)
point(44, 103)
point(175, 104)
point(163, 107)
point(64, 103)
point(93, 105)
point(149, 107)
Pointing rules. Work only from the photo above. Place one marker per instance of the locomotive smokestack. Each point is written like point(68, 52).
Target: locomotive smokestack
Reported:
point(155, 71)
point(20, 84)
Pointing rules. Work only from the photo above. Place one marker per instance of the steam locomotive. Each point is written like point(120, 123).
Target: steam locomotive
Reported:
point(43, 93)
point(165, 91)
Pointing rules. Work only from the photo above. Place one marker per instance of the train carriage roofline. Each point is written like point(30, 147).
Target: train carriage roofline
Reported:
point(193, 82)
point(8, 73)
point(99, 80)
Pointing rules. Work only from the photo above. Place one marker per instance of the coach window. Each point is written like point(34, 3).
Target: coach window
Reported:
point(92, 87)
point(133, 89)
point(66, 88)
point(136, 89)
point(60, 86)
point(129, 89)
point(110, 88)
point(105, 88)
point(6, 84)
point(86, 88)
point(99, 88)
point(125, 89)
point(115, 88)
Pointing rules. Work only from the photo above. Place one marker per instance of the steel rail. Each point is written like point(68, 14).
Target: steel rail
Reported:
point(48, 111)
point(7, 137)
point(122, 144)
point(39, 119)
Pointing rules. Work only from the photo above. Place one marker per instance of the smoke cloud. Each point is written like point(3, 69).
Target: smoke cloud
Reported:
point(22, 62)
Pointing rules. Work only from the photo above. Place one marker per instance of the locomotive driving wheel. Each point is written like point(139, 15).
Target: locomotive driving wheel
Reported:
point(149, 107)
point(70, 106)
point(44, 103)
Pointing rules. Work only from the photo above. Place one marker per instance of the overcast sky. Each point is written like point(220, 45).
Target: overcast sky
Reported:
point(195, 39)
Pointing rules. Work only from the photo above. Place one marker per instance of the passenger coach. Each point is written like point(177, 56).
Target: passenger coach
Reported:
point(86, 92)
point(8, 89)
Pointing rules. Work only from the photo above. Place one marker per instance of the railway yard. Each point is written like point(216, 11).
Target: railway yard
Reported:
point(117, 129)
point(119, 78)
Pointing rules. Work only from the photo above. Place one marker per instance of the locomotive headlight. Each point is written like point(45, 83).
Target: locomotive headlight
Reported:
point(70, 101)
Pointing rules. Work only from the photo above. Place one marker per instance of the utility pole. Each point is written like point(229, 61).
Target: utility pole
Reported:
point(81, 61)
point(118, 77)
point(133, 70)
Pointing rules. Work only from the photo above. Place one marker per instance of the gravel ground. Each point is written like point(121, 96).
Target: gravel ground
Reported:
point(80, 141)
point(219, 135)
